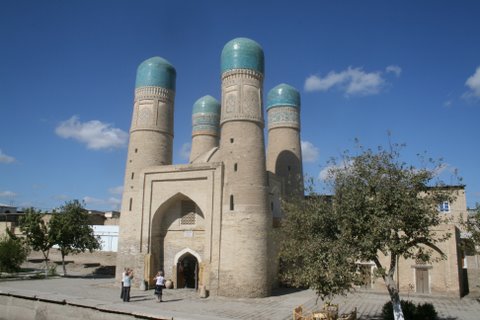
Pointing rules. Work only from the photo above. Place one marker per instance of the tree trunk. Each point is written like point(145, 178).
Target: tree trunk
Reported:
point(63, 265)
point(394, 297)
point(45, 255)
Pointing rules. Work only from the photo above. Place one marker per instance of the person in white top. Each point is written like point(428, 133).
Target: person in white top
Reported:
point(159, 285)
point(123, 276)
point(127, 283)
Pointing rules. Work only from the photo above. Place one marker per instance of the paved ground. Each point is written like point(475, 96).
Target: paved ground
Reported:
point(185, 303)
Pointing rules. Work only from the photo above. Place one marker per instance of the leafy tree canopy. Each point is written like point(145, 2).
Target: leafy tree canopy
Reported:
point(71, 232)
point(379, 206)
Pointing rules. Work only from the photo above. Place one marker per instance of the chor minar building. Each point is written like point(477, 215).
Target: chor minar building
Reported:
point(208, 223)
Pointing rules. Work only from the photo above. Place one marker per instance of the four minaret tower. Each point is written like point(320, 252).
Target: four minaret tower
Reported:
point(235, 129)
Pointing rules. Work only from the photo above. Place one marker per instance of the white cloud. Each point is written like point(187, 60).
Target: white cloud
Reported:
point(185, 151)
point(394, 69)
point(473, 83)
point(5, 158)
point(309, 152)
point(116, 190)
point(352, 81)
point(7, 194)
point(112, 202)
point(328, 171)
point(95, 134)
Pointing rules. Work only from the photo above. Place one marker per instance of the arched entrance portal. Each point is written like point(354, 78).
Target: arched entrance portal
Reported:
point(187, 271)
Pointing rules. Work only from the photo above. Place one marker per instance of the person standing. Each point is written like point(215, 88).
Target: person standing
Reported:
point(159, 285)
point(123, 276)
point(127, 283)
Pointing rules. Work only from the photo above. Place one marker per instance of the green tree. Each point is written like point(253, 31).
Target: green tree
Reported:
point(380, 206)
point(13, 252)
point(37, 233)
point(71, 232)
point(472, 226)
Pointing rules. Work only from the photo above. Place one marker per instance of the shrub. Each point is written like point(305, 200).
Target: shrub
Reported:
point(13, 252)
point(426, 311)
point(411, 311)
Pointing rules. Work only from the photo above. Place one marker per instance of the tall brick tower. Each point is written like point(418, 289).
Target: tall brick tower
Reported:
point(284, 152)
point(151, 138)
point(246, 219)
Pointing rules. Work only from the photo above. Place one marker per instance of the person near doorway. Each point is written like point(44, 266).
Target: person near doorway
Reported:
point(159, 285)
point(127, 283)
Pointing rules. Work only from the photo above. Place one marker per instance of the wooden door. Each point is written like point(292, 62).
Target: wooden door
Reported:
point(422, 282)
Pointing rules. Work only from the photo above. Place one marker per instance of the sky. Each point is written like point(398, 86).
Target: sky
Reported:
point(404, 71)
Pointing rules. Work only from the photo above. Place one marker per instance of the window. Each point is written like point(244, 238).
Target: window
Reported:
point(235, 167)
point(133, 174)
point(231, 203)
point(231, 140)
point(444, 206)
point(188, 213)
point(130, 205)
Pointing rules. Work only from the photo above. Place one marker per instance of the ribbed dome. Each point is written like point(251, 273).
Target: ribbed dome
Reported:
point(283, 95)
point(242, 53)
point(206, 104)
point(156, 72)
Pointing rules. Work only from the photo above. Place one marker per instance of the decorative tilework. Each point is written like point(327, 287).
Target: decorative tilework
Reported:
point(156, 72)
point(242, 53)
point(283, 95)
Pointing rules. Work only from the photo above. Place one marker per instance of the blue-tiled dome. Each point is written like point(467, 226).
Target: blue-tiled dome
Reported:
point(206, 116)
point(283, 95)
point(156, 72)
point(206, 104)
point(242, 53)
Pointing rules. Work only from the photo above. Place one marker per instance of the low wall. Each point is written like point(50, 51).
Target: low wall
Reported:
point(25, 307)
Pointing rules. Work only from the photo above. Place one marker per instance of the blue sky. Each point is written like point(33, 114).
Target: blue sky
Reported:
point(364, 68)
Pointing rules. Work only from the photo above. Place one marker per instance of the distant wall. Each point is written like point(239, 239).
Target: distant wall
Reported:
point(108, 237)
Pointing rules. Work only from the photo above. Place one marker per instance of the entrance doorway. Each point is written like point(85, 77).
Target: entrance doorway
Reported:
point(187, 272)
point(422, 281)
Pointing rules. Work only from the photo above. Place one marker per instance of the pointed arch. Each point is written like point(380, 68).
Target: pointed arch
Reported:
point(185, 251)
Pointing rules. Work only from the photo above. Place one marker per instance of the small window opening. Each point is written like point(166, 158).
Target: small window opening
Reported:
point(188, 213)
point(136, 150)
point(444, 206)
point(235, 167)
point(133, 174)
point(289, 168)
point(231, 203)
point(231, 140)
point(130, 205)
point(271, 205)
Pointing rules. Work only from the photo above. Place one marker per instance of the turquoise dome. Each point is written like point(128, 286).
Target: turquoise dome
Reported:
point(242, 53)
point(156, 72)
point(206, 104)
point(283, 95)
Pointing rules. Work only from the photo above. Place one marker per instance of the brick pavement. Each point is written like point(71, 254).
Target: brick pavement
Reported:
point(183, 304)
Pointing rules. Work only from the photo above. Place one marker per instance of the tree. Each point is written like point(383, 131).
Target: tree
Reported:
point(37, 233)
point(380, 207)
point(13, 252)
point(472, 226)
point(70, 230)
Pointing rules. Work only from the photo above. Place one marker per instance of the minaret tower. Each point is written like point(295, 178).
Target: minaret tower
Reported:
point(284, 152)
point(205, 126)
point(151, 137)
point(246, 219)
